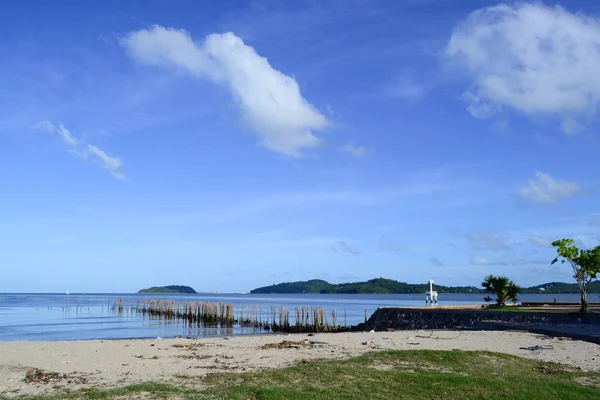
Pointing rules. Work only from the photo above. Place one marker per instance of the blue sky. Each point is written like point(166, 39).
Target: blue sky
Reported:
point(231, 145)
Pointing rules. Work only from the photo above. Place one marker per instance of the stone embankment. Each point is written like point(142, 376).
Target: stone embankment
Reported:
point(574, 325)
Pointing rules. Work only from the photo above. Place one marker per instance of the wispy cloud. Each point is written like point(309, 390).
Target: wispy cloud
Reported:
point(410, 88)
point(90, 152)
point(113, 165)
point(547, 190)
point(540, 241)
point(540, 261)
point(355, 151)
point(487, 241)
point(517, 261)
point(435, 262)
point(63, 132)
point(482, 261)
point(594, 221)
point(534, 59)
point(386, 244)
point(348, 278)
point(270, 102)
point(344, 246)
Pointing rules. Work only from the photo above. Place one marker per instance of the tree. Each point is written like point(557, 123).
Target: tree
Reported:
point(585, 264)
point(502, 287)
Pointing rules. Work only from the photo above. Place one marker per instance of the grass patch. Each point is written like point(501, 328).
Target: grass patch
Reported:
point(382, 375)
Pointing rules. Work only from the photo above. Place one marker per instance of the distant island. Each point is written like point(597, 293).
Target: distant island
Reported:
point(390, 286)
point(173, 289)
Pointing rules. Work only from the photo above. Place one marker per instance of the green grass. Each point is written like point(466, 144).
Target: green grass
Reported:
point(381, 375)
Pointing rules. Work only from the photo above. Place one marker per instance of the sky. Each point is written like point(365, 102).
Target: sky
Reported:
point(236, 144)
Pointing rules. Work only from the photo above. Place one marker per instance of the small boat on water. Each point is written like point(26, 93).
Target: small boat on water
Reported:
point(67, 292)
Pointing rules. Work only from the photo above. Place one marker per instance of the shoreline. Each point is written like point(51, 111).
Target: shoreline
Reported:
point(115, 363)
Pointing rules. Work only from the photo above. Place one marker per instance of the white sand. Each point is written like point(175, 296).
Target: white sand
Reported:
point(111, 363)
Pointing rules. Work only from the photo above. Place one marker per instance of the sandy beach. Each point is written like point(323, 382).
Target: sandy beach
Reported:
point(112, 363)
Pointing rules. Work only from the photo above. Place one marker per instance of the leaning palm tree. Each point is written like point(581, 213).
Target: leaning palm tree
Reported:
point(502, 287)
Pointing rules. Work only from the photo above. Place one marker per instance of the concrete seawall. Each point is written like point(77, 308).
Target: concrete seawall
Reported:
point(574, 325)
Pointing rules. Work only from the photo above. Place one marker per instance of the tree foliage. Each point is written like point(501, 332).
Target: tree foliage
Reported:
point(585, 265)
point(503, 288)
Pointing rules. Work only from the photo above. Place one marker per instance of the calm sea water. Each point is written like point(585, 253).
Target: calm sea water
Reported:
point(35, 317)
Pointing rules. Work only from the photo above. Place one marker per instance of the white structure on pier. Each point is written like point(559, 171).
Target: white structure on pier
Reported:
point(431, 296)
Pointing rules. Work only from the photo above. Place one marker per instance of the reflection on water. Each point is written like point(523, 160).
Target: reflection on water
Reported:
point(76, 317)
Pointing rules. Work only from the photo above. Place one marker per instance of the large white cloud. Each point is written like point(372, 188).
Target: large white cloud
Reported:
point(271, 103)
point(534, 59)
point(546, 189)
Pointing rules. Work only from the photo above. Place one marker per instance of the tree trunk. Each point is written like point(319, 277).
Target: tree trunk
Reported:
point(585, 307)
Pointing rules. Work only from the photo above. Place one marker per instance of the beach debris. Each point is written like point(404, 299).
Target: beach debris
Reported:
point(537, 348)
point(194, 356)
point(192, 345)
point(288, 344)
point(35, 375)
point(367, 343)
point(552, 369)
point(146, 357)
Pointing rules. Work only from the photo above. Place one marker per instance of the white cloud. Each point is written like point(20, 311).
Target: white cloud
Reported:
point(546, 189)
point(540, 241)
point(487, 241)
point(531, 58)
point(112, 164)
point(354, 150)
point(270, 102)
point(481, 261)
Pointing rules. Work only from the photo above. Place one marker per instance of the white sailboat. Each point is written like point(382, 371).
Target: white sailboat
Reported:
point(67, 292)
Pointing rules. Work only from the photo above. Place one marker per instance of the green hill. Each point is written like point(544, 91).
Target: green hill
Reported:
point(173, 289)
point(378, 285)
point(381, 285)
point(561, 287)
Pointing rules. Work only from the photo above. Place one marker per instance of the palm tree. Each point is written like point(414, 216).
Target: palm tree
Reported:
point(502, 287)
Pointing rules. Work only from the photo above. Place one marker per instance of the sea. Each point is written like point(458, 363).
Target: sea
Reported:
point(79, 316)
